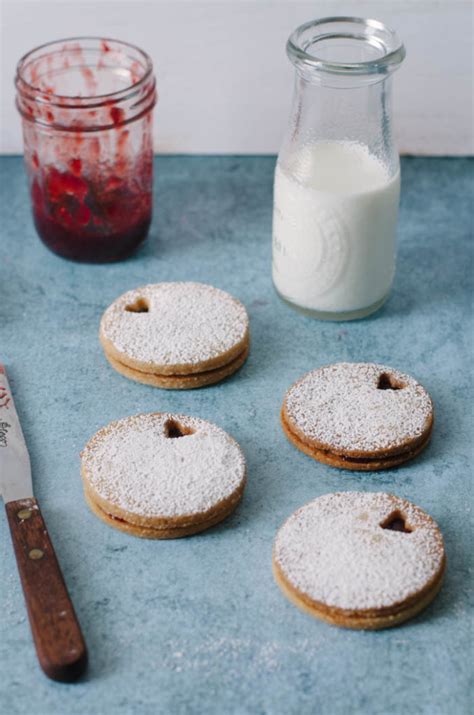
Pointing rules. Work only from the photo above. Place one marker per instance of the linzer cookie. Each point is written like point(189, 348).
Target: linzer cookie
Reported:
point(176, 335)
point(358, 416)
point(360, 560)
point(162, 476)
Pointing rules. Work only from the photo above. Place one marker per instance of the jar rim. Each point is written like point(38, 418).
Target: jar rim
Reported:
point(81, 101)
point(371, 31)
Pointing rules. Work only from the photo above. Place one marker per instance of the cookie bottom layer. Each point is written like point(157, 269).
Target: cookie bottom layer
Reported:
point(358, 465)
point(358, 620)
point(181, 382)
point(147, 532)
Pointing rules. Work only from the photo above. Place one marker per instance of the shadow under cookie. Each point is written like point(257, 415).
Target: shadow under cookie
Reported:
point(181, 382)
point(147, 532)
point(362, 464)
point(360, 620)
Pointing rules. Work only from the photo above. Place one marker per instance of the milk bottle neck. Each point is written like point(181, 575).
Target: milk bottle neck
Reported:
point(360, 113)
point(343, 85)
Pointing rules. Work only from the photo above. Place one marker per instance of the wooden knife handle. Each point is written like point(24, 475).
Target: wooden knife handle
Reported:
point(56, 631)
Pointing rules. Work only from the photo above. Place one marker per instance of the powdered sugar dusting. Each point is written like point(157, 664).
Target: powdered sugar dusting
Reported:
point(335, 551)
point(186, 323)
point(256, 654)
point(340, 407)
point(132, 464)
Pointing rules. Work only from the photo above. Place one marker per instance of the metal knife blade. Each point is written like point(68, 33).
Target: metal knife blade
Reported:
point(15, 467)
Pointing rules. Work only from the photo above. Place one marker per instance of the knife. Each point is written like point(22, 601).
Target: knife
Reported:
point(56, 631)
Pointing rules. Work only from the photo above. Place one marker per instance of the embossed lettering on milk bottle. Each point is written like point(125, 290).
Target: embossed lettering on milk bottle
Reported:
point(337, 178)
point(335, 213)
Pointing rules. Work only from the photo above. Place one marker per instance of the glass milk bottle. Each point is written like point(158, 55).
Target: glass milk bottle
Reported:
point(337, 178)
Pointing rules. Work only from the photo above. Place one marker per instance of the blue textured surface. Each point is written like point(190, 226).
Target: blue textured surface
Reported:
point(198, 625)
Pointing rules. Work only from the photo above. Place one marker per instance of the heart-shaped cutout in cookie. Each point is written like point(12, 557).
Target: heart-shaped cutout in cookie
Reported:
point(139, 306)
point(388, 382)
point(396, 522)
point(173, 430)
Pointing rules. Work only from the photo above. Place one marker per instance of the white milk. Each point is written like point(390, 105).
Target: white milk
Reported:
point(334, 220)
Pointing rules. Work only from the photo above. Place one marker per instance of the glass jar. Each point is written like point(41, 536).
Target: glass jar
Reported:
point(337, 178)
point(86, 107)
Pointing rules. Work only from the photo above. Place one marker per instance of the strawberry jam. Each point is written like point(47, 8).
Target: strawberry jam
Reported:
point(86, 106)
point(89, 220)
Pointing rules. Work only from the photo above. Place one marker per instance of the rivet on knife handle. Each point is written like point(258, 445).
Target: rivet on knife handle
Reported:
point(56, 631)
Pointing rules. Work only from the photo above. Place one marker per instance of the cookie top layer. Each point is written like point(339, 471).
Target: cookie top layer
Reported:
point(162, 465)
point(341, 550)
point(358, 409)
point(173, 327)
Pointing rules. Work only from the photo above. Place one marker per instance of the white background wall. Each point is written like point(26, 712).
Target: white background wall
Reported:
point(223, 77)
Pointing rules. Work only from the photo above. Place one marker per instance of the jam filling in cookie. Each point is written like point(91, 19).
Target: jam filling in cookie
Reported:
point(359, 416)
point(176, 335)
point(162, 475)
point(360, 560)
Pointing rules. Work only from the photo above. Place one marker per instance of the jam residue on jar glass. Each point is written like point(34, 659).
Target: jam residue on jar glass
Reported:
point(86, 105)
